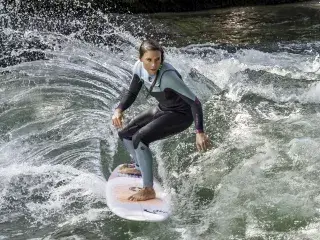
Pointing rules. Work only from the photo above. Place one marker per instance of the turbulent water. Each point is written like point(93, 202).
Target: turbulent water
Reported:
point(61, 77)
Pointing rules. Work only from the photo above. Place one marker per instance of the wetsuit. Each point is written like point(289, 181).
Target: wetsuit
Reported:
point(178, 107)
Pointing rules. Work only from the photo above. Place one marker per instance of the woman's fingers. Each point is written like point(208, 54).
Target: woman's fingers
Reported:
point(114, 122)
point(198, 147)
point(117, 118)
point(117, 121)
point(204, 144)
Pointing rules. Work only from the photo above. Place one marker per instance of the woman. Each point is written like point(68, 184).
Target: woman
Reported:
point(178, 107)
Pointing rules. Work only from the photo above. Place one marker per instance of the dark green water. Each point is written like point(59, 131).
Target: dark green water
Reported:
point(242, 25)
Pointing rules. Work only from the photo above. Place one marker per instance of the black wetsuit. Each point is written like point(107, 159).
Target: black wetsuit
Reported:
point(177, 107)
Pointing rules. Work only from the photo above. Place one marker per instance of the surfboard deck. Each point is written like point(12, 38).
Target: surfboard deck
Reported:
point(121, 186)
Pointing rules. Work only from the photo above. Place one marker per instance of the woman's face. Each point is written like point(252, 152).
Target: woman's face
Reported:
point(151, 61)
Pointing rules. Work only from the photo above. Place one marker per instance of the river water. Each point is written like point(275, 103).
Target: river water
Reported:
point(256, 71)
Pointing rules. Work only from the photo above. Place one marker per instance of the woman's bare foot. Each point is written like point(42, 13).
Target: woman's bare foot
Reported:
point(129, 169)
point(144, 194)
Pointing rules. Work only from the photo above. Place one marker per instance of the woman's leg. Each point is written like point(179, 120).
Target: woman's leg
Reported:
point(126, 136)
point(164, 124)
point(129, 168)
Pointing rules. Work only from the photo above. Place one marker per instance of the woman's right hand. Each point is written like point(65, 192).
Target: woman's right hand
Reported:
point(117, 118)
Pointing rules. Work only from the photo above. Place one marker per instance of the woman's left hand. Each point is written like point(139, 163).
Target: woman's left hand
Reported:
point(202, 141)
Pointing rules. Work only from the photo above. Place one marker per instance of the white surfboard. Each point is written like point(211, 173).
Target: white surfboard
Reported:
point(121, 186)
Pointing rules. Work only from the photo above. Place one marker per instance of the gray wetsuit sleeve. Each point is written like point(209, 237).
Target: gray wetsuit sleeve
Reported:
point(132, 93)
point(172, 81)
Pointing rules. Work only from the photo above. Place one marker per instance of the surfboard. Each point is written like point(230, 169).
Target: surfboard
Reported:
point(121, 186)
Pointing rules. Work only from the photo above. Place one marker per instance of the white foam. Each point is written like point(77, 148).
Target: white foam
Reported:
point(90, 215)
point(312, 95)
point(227, 71)
point(63, 185)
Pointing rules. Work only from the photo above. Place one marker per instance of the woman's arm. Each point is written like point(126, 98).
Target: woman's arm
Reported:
point(175, 83)
point(131, 94)
point(196, 109)
point(129, 97)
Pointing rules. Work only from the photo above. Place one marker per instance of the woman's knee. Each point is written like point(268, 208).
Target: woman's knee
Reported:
point(124, 135)
point(137, 138)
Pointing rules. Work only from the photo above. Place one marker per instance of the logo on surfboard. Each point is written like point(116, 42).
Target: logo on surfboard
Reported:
point(155, 211)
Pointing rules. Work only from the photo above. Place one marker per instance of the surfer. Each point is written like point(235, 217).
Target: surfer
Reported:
point(178, 107)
